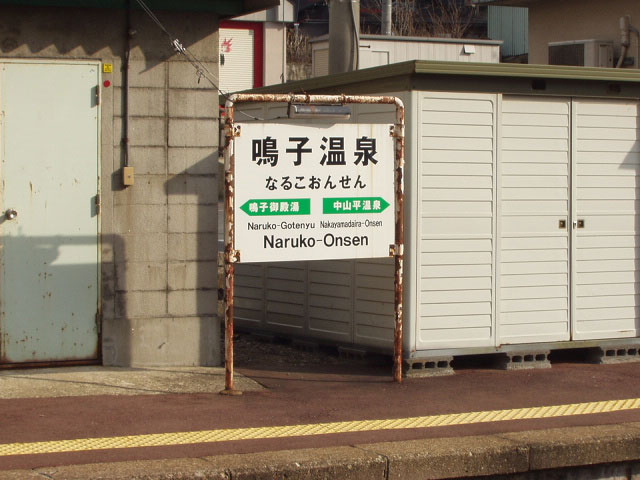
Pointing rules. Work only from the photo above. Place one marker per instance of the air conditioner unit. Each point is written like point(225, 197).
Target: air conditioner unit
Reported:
point(582, 53)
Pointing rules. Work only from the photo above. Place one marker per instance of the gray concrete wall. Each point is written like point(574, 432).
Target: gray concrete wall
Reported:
point(159, 236)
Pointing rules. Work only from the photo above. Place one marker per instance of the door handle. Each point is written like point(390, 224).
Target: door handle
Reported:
point(10, 214)
point(581, 223)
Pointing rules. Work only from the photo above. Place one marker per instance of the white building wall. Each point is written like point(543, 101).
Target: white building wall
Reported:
point(488, 262)
point(376, 51)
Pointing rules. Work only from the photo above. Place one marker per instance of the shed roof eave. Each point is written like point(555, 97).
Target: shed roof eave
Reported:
point(393, 70)
point(392, 38)
point(527, 71)
point(506, 3)
point(418, 68)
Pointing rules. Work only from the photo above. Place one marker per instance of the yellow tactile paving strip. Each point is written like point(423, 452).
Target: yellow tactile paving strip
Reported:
point(233, 434)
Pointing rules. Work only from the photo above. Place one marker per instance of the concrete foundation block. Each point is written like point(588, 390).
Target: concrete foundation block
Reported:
point(193, 161)
point(615, 354)
point(162, 341)
point(193, 218)
point(193, 275)
point(143, 101)
point(524, 360)
point(141, 276)
point(147, 74)
point(580, 446)
point(352, 353)
point(144, 247)
point(193, 133)
point(339, 462)
point(147, 190)
point(192, 246)
point(145, 160)
point(193, 302)
point(183, 75)
point(192, 103)
point(467, 457)
point(143, 132)
point(139, 219)
point(428, 367)
point(141, 304)
point(194, 190)
point(147, 131)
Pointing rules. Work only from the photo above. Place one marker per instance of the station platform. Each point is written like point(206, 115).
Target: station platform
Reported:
point(310, 414)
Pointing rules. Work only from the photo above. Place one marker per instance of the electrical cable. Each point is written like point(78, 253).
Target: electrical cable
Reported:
point(356, 30)
point(201, 70)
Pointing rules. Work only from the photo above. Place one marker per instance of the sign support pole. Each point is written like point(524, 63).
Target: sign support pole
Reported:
point(232, 256)
point(398, 133)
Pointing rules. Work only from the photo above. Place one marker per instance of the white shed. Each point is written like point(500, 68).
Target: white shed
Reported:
point(377, 50)
point(522, 217)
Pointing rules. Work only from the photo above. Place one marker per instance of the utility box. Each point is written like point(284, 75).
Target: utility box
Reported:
point(582, 53)
point(522, 216)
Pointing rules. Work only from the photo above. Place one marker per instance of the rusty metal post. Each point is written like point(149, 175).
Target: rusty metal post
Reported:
point(399, 247)
point(231, 256)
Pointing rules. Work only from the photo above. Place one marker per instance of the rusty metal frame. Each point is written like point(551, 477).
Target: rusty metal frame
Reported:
point(232, 256)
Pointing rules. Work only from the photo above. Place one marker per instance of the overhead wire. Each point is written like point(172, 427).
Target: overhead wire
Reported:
point(201, 70)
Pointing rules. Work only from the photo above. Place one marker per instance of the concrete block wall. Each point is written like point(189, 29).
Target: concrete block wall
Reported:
point(159, 236)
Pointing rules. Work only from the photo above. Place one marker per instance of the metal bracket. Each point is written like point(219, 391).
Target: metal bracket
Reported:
point(392, 250)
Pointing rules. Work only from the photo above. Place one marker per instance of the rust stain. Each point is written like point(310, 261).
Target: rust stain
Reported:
point(231, 256)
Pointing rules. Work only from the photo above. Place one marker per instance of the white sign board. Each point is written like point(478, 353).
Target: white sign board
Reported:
point(314, 192)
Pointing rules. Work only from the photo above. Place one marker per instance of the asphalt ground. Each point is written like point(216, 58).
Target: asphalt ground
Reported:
point(301, 388)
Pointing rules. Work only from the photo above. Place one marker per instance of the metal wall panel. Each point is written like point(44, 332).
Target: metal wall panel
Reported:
point(456, 204)
point(237, 48)
point(533, 258)
point(374, 302)
point(330, 299)
point(511, 25)
point(607, 264)
point(376, 52)
point(494, 177)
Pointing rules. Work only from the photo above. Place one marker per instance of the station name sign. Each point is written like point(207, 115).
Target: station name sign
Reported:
point(313, 192)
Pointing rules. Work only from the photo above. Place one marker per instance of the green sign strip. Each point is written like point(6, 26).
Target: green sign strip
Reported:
point(354, 205)
point(273, 206)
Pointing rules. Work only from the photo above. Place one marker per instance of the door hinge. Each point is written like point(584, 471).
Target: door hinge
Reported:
point(98, 204)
